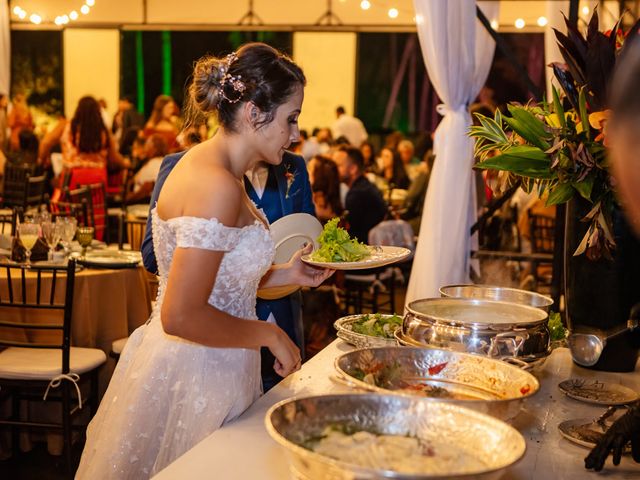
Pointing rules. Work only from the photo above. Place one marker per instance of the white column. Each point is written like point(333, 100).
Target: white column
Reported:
point(329, 63)
point(91, 66)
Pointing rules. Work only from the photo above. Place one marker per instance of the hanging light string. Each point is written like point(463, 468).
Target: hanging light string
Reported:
point(63, 19)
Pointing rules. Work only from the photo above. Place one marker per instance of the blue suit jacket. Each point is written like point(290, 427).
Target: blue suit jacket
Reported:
point(286, 311)
point(297, 201)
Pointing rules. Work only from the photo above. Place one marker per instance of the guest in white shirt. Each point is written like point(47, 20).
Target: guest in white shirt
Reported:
point(155, 149)
point(349, 127)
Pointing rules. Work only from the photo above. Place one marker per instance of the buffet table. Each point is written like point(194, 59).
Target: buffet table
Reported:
point(243, 448)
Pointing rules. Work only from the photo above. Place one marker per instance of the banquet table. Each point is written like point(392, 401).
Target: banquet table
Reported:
point(243, 449)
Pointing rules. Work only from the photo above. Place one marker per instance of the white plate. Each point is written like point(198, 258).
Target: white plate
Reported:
point(585, 431)
point(111, 259)
point(597, 392)
point(289, 234)
point(379, 257)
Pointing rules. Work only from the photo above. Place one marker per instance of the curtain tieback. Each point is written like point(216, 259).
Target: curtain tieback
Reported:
point(443, 109)
point(57, 381)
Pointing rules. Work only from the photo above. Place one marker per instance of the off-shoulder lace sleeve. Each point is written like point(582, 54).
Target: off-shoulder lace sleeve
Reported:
point(208, 234)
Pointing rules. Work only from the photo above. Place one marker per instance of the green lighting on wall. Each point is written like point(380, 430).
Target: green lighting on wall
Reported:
point(140, 71)
point(166, 62)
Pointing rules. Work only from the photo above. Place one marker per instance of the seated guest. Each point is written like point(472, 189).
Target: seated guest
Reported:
point(411, 163)
point(19, 118)
point(325, 187)
point(28, 152)
point(369, 155)
point(155, 149)
point(125, 119)
point(364, 203)
point(162, 121)
point(393, 169)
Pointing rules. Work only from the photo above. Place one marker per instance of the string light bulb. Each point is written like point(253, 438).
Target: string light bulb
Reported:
point(365, 4)
point(585, 10)
point(494, 24)
point(520, 23)
point(37, 19)
point(393, 13)
point(542, 21)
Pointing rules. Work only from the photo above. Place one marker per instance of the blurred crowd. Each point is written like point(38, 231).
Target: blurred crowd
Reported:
point(362, 178)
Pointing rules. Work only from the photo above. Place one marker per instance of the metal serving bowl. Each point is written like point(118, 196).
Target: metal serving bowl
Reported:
point(496, 329)
point(501, 294)
point(344, 328)
point(293, 422)
point(494, 387)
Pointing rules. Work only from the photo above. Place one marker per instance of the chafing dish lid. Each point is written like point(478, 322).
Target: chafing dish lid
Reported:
point(468, 311)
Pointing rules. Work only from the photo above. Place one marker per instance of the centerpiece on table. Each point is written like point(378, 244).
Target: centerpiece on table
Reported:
point(558, 149)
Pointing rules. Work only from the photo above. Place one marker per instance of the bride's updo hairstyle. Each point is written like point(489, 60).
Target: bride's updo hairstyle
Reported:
point(256, 73)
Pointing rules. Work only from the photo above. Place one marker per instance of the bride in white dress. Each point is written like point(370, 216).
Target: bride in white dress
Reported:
point(196, 363)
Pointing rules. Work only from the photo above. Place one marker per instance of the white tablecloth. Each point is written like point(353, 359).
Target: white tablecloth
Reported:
point(244, 450)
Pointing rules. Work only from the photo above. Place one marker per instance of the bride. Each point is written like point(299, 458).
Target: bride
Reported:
point(195, 365)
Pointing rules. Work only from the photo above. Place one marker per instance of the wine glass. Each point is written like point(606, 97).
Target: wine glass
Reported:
point(68, 227)
point(52, 233)
point(29, 233)
point(85, 236)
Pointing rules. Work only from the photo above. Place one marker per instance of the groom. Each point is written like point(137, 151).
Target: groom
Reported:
point(277, 190)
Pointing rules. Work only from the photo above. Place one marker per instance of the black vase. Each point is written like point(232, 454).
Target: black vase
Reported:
point(600, 293)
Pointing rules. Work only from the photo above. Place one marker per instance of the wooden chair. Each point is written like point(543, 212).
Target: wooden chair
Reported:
point(73, 203)
point(542, 230)
point(133, 232)
point(95, 198)
point(37, 358)
point(21, 188)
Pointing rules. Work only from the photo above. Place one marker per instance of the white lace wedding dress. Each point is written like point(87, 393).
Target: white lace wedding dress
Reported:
point(166, 393)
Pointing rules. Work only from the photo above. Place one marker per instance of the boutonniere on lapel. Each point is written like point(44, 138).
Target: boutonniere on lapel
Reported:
point(290, 176)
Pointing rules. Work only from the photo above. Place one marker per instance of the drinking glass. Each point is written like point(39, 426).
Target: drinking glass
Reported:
point(68, 227)
point(52, 233)
point(29, 233)
point(85, 236)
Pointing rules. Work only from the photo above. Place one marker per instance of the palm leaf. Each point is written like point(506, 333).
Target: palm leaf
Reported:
point(522, 160)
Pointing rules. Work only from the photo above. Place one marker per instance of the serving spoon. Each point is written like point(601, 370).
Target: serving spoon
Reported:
point(586, 348)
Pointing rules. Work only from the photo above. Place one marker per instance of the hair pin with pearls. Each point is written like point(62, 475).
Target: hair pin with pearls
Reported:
point(234, 80)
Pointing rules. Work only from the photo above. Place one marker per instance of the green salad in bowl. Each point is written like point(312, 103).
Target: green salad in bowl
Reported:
point(369, 330)
point(337, 246)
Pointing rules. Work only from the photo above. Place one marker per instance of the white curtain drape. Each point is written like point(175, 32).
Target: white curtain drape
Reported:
point(458, 53)
point(5, 48)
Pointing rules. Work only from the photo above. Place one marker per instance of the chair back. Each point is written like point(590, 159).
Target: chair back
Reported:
point(542, 231)
point(9, 221)
point(133, 233)
point(393, 233)
point(73, 203)
point(95, 197)
point(15, 185)
point(36, 307)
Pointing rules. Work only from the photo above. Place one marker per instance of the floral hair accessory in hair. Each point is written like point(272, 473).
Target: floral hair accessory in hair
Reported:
point(234, 80)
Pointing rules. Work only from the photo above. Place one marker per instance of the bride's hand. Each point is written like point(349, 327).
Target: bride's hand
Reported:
point(304, 274)
point(287, 354)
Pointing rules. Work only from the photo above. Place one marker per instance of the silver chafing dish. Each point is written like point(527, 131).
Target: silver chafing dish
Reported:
point(292, 423)
point(486, 385)
point(498, 330)
point(500, 294)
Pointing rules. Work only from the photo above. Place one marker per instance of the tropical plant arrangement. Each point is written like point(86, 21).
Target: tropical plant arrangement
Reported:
point(558, 148)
